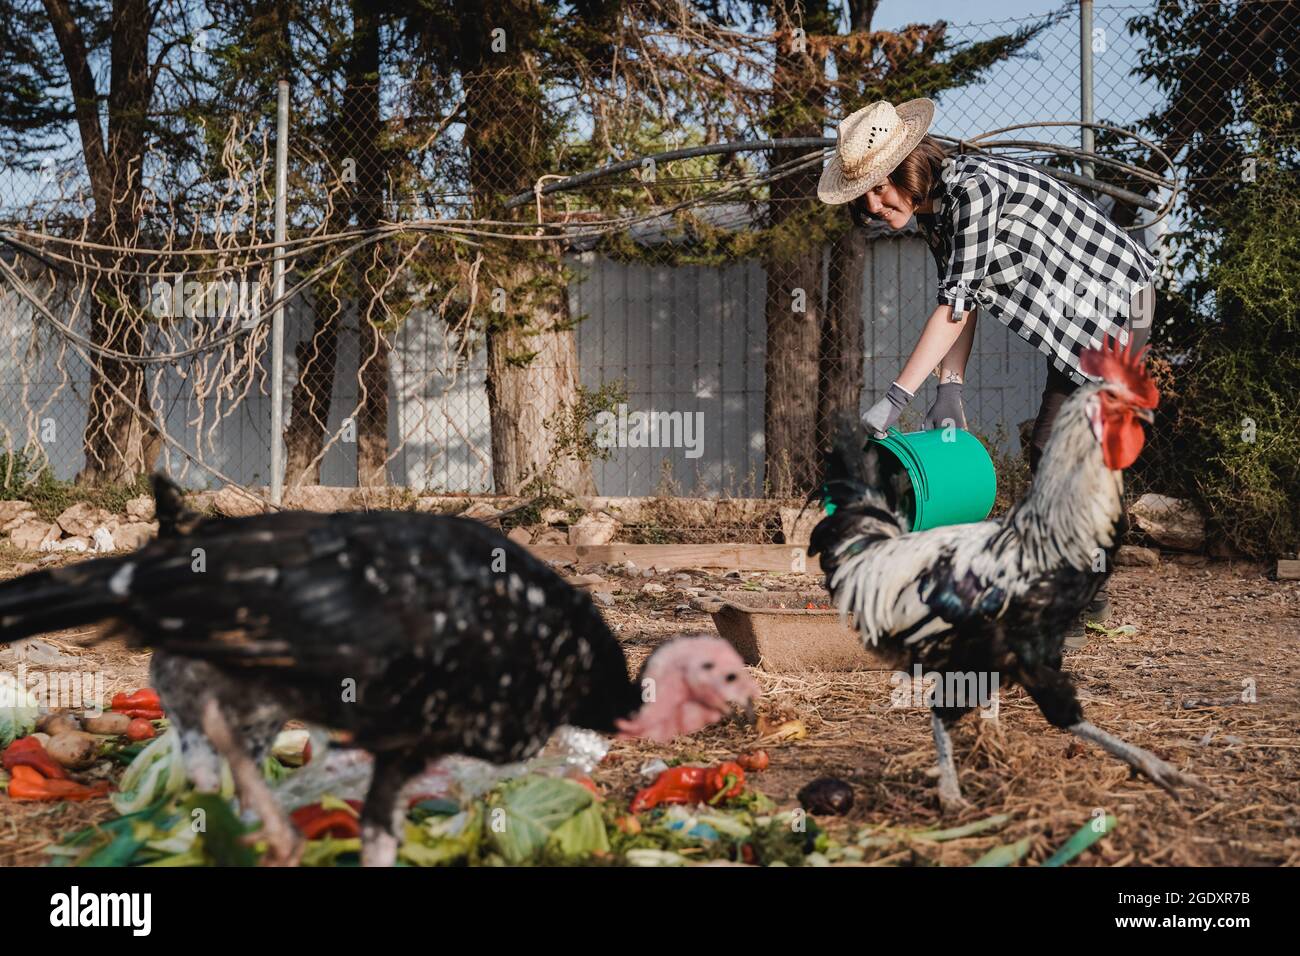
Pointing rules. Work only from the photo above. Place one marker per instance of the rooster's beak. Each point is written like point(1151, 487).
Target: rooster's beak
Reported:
point(1147, 415)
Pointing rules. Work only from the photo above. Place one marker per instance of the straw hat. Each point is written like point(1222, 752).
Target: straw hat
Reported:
point(870, 145)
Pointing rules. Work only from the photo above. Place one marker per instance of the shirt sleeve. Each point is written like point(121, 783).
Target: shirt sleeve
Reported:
point(977, 204)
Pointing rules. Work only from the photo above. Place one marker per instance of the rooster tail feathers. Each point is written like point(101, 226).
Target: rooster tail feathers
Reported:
point(853, 474)
point(853, 482)
point(846, 470)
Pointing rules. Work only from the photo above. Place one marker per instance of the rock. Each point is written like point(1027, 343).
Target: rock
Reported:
point(1132, 556)
point(14, 513)
point(18, 521)
point(603, 598)
point(797, 524)
point(234, 503)
point(593, 529)
point(585, 580)
point(320, 498)
point(140, 509)
point(102, 541)
point(1170, 522)
point(554, 516)
point(653, 588)
point(550, 537)
point(480, 511)
point(81, 520)
point(32, 534)
point(520, 535)
point(130, 536)
point(76, 543)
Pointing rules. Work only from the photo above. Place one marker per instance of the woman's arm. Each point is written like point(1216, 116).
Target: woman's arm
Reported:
point(953, 366)
point(939, 339)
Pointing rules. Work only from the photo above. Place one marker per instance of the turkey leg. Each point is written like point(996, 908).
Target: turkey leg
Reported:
point(284, 845)
point(383, 816)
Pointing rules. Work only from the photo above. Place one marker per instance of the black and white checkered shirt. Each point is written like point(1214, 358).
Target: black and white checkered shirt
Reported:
point(1040, 257)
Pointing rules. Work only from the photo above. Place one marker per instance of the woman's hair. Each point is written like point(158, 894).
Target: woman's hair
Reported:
point(918, 173)
point(917, 176)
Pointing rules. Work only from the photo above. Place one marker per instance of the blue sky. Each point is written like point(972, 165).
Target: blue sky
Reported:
point(897, 13)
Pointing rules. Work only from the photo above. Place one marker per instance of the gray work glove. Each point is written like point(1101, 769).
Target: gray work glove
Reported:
point(883, 415)
point(947, 408)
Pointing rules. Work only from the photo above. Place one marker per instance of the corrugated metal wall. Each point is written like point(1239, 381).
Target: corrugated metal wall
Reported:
point(691, 339)
point(681, 339)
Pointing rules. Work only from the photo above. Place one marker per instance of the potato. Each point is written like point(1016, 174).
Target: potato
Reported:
point(74, 749)
point(115, 724)
point(55, 724)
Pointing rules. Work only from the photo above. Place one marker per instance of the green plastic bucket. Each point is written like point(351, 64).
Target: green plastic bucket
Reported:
point(952, 475)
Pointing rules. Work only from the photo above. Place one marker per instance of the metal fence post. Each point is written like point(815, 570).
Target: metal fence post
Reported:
point(1085, 83)
point(277, 318)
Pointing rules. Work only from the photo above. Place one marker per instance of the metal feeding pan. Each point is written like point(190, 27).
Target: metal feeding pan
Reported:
point(777, 631)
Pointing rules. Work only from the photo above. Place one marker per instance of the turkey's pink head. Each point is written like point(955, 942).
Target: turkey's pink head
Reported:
point(1125, 400)
point(687, 684)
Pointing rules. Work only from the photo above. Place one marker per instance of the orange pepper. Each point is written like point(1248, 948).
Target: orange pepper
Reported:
point(27, 784)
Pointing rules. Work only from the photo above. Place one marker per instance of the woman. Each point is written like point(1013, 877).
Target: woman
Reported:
point(1042, 258)
point(1008, 239)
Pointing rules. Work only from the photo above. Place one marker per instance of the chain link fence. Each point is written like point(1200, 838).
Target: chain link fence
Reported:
point(455, 323)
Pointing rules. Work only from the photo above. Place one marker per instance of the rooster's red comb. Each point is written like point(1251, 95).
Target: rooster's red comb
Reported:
point(1119, 366)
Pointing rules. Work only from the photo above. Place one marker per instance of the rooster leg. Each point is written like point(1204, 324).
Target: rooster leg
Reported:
point(383, 817)
point(284, 845)
point(1161, 773)
point(950, 798)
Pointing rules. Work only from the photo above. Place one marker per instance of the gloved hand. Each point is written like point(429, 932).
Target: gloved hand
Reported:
point(947, 408)
point(883, 415)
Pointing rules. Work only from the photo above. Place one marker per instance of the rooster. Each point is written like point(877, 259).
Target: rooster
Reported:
point(994, 597)
point(416, 635)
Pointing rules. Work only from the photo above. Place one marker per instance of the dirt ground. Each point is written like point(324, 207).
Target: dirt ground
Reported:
point(1204, 634)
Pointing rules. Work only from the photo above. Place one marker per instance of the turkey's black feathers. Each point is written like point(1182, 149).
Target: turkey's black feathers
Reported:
point(405, 629)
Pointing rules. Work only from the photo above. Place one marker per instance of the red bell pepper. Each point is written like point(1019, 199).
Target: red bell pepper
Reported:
point(144, 702)
point(692, 785)
point(726, 780)
point(29, 752)
point(315, 821)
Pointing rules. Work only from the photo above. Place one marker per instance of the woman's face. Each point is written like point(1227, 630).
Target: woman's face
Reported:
point(889, 204)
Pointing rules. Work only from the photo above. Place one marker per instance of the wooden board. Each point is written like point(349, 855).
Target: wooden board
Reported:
point(1288, 569)
point(730, 557)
